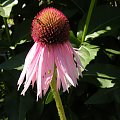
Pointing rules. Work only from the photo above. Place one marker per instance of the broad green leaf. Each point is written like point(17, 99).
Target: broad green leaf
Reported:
point(71, 115)
point(10, 78)
point(6, 7)
point(36, 111)
point(91, 79)
point(14, 63)
point(106, 74)
point(104, 19)
point(26, 103)
point(101, 97)
point(106, 95)
point(105, 83)
point(12, 105)
point(116, 94)
point(103, 70)
point(87, 53)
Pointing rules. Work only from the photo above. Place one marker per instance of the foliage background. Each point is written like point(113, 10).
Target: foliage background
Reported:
point(97, 96)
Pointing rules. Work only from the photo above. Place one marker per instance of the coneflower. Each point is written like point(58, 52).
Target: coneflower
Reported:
point(50, 32)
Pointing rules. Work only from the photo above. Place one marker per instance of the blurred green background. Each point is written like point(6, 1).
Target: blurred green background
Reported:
point(97, 96)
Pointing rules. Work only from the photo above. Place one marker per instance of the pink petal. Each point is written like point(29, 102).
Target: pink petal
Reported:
point(27, 62)
point(39, 77)
point(49, 67)
point(63, 64)
point(60, 68)
point(31, 73)
point(77, 60)
point(70, 64)
point(58, 80)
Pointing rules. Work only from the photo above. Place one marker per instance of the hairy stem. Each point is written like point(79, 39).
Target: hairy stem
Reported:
point(57, 97)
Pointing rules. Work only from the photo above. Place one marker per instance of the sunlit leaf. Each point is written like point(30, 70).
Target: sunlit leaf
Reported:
point(105, 83)
point(19, 43)
point(6, 7)
point(113, 51)
point(87, 53)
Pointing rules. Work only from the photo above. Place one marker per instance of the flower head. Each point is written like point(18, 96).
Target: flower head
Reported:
point(50, 26)
point(50, 31)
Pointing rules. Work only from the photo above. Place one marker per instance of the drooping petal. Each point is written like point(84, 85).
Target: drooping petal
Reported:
point(49, 68)
point(50, 31)
point(58, 80)
point(29, 58)
point(61, 77)
point(79, 64)
point(70, 64)
point(61, 68)
point(31, 66)
point(39, 76)
point(31, 72)
point(63, 63)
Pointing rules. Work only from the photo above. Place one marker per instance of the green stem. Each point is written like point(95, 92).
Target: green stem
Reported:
point(88, 20)
point(57, 97)
point(7, 29)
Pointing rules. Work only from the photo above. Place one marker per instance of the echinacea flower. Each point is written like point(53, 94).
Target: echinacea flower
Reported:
point(50, 31)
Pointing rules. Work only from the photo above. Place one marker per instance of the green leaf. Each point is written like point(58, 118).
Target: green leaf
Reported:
point(12, 105)
point(74, 40)
point(83, 5)
point(90, 79)
point(21, 33)
point(106, 74)
point(70, 114)
point(36, 111)
point(87, 53)
point(101, 97)
point(116, 94)
point(10, 78)
point(6, 7)
point(26, 103)
point(15, 62)
point(113, 51)
point(49, 97)
point(70, 12)
point(103, 70)
point(101, 23)
point(106, 83)
point(19, 43)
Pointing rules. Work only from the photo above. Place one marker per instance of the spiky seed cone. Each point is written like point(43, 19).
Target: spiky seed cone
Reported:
point(50, 26)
